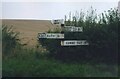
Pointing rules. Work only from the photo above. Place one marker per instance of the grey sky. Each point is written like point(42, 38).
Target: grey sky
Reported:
point(119, 6)
point(60, 0)
point(49, 10)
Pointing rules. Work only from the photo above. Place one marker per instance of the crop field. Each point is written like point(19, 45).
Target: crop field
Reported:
point(29, 29)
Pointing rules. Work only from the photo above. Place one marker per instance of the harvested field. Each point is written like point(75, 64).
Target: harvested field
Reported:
point(29, 29)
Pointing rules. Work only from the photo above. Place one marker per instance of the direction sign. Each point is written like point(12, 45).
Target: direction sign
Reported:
point(73, 29)
point(74, 42)
point(58, 21)
point(51, 35)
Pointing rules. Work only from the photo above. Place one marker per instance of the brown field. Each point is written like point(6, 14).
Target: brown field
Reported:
point(29, 29)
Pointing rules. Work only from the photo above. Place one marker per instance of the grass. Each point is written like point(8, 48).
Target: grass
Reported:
point(26, 64)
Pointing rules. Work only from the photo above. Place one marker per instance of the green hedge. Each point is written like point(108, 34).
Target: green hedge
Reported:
point(100, 31)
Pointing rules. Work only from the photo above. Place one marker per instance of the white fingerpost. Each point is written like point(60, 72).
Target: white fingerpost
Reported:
point(50, 35)
point(73, 29)
point(74, 42)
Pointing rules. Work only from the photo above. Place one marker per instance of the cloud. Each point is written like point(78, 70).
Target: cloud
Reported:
point(49, 10)
point(60, 0)
point(119, 6)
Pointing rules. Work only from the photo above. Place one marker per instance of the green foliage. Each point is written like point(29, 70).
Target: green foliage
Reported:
point(100, 31)
point(9, 39)
point(26, 64)
point(32, 62)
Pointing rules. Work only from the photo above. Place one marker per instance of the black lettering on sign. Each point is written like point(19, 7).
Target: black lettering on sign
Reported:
point(79, 42)
point(42, 35)
point(72, 42)
point(58, 35)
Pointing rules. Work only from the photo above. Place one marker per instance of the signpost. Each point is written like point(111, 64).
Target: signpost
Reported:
point(61, 36)
point(74, 42)
point(58, 21)
point(51, 35)
point(73, 29)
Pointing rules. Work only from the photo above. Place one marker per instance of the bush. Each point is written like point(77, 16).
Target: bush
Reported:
point(100, 31)
point(9, 39)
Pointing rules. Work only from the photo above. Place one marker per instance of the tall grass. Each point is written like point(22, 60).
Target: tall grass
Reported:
point(32, 67)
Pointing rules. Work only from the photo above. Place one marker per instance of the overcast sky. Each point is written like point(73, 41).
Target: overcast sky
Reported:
point(51, 10)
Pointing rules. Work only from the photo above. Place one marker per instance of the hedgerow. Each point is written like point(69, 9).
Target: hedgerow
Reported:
point(101, 31)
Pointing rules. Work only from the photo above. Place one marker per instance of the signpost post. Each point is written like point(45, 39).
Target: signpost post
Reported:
point(61, 36)
point(58, 21)
point(51, 35)
point(74, 42)
point(73, 29)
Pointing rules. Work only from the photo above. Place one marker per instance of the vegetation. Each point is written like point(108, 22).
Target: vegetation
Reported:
point(9, 39)
point(78, 61)
point(100, 31)
point(27, 65)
